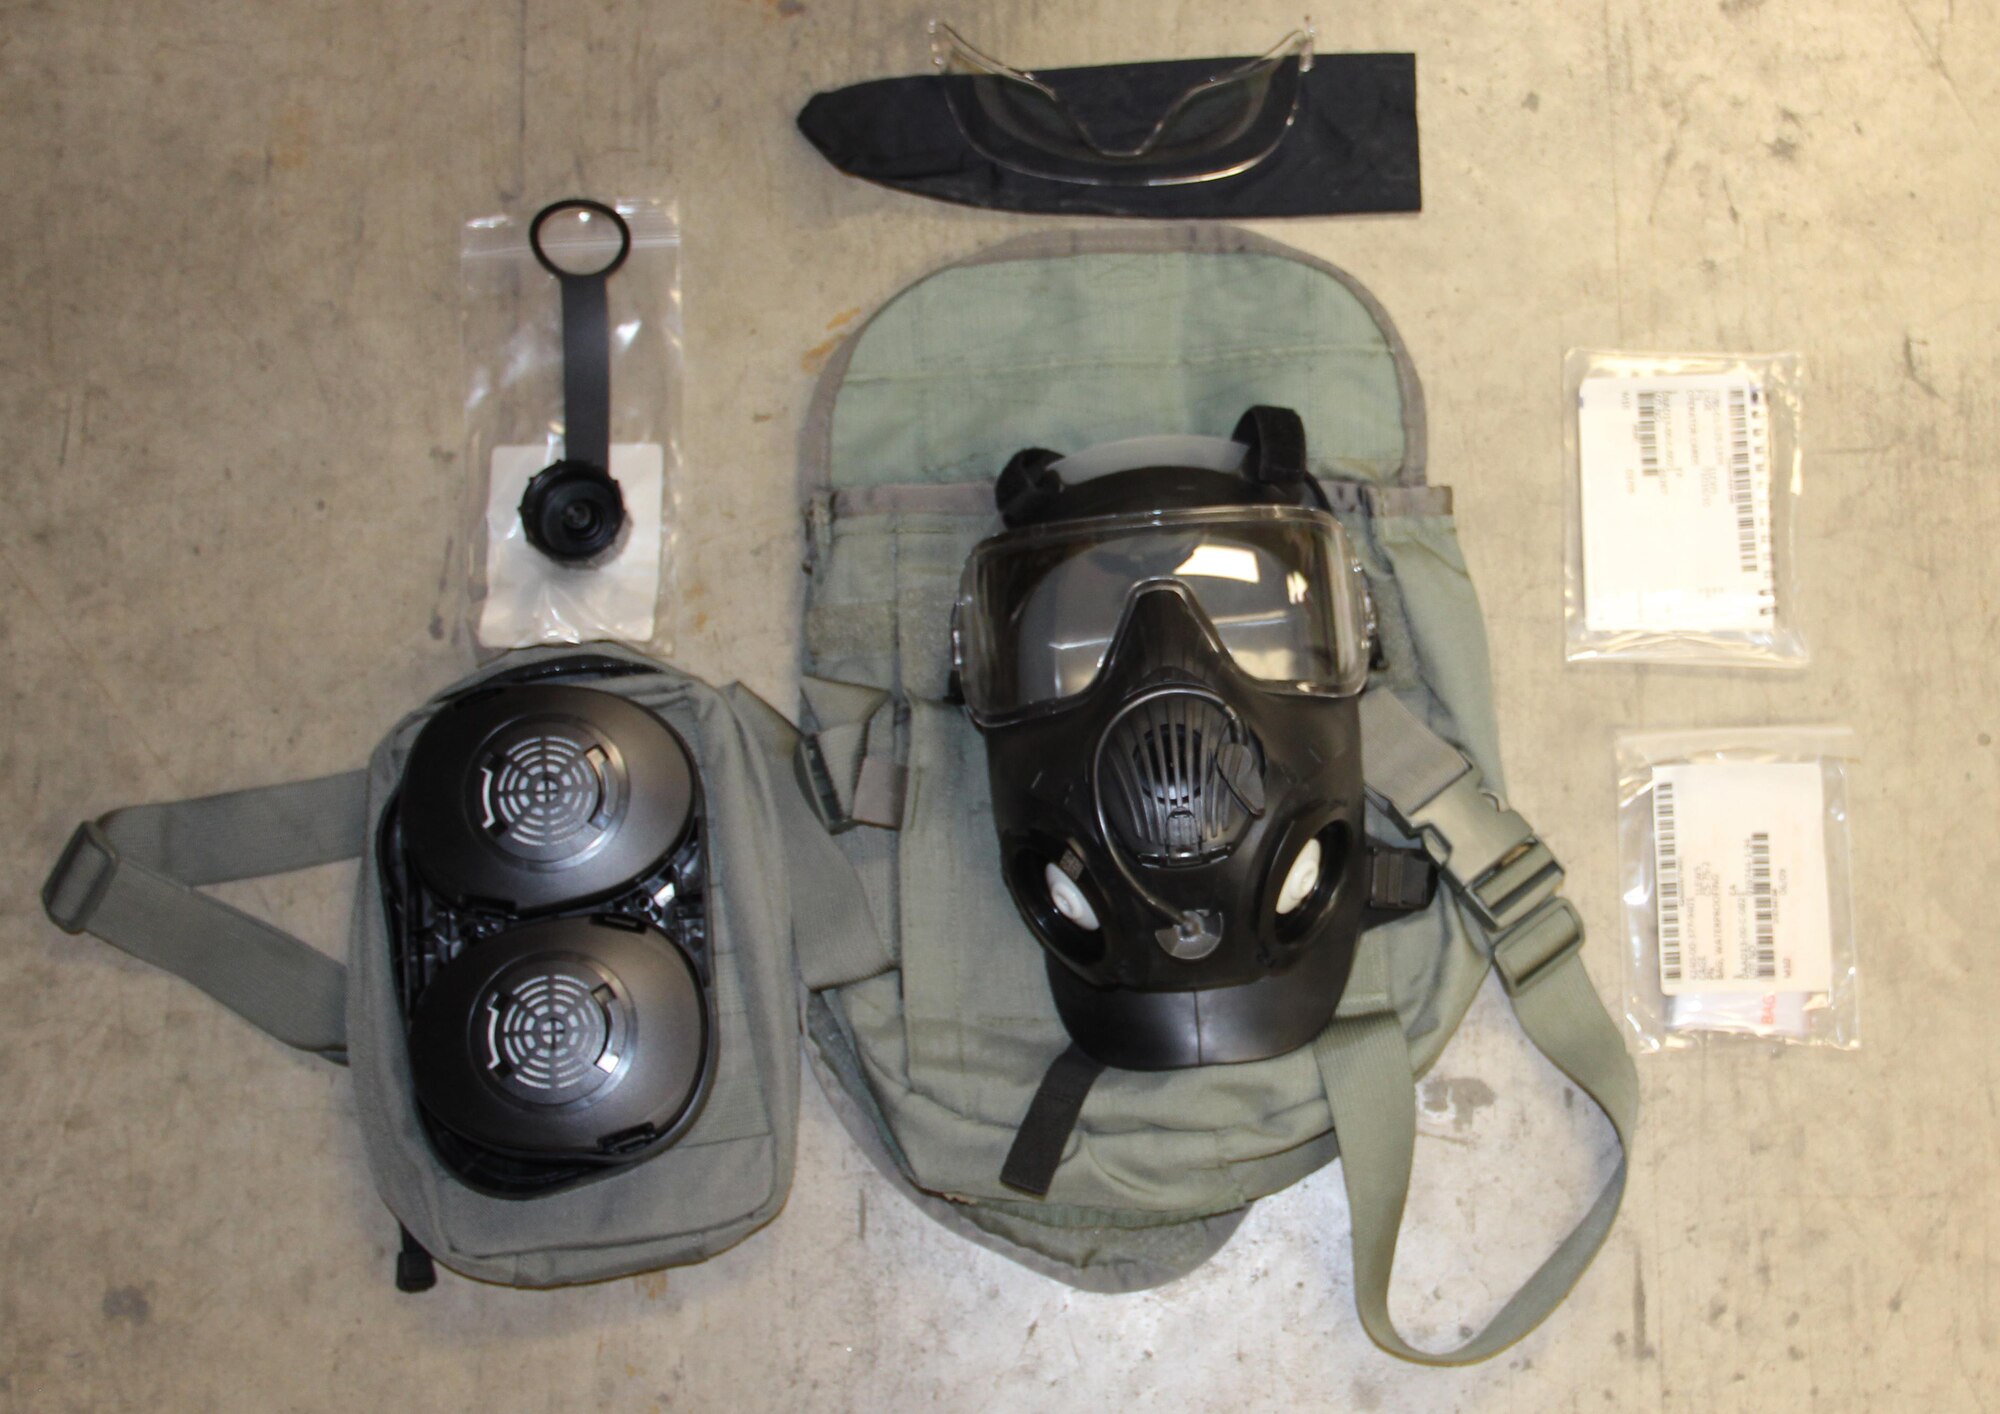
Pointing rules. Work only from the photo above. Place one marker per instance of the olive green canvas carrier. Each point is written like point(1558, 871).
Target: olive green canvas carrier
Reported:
point(931, 1029)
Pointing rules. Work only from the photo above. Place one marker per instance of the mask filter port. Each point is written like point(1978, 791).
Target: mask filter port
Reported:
point(1312, 875)
point(1052, 886)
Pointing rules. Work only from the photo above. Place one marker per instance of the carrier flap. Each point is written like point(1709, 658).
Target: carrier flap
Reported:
point(1068, 339)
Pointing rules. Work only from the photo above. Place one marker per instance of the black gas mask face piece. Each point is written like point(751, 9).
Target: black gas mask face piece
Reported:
point(1186, 846)
point(1165, 663)
point(543, 867)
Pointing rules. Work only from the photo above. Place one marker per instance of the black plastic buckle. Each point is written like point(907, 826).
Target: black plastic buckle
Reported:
point(1400, 880)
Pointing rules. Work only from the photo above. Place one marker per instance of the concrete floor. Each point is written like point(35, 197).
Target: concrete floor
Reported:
point(228, 278)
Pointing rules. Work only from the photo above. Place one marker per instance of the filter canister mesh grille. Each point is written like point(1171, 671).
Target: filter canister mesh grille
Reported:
point(548, 1035)
point(545, 796)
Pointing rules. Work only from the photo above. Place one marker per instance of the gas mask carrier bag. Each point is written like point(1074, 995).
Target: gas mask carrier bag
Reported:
point(567, 1002)
point(1047, 689)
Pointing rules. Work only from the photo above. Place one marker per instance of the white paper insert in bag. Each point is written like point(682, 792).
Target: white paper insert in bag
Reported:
point(531, 599)
point(1676, 503)
point(1740, 862)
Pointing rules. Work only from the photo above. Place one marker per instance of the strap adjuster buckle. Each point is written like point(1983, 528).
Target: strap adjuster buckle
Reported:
point(1503, 871)
point(1520, 884)
point(1400, 880)
point(1531, 951)
point(82, 876)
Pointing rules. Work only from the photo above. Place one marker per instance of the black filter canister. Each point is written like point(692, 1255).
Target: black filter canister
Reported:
point(565, 1015)
point(535, 797)
point(571, 1036)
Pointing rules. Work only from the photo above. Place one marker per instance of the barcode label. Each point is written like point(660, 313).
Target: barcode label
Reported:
point(1742, 494)
point(1763, 908)
point(1649, 433)
point(1676, 501)
point(1740, 878)
point(1667, 868)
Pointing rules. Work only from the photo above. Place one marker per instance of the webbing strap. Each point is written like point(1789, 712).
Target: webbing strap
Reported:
point(846, 755)
point(1038, 1145)
point(1365, 1064)
point(131, 877)
point(1508, 881)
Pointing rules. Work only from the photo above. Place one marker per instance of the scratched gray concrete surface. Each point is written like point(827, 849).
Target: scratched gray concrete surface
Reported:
point(230, 377)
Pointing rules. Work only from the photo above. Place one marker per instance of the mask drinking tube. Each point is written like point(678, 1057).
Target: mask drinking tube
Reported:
point(573, 511)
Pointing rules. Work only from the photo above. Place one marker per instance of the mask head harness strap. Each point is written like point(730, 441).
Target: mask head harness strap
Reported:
point(1031, 489)
point(1276, 438)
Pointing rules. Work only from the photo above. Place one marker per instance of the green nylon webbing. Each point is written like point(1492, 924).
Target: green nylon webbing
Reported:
point(1365, 1063)
point(129, 878)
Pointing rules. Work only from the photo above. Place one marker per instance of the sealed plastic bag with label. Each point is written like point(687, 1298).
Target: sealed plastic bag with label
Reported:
point(572, 351)
point(1733, 861)
point(1684, 479)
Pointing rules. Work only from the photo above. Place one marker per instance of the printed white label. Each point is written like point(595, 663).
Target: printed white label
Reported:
point(1739, 854)
point(1676, 503)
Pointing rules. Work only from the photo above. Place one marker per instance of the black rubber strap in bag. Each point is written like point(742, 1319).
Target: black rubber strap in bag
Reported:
point(574, 511)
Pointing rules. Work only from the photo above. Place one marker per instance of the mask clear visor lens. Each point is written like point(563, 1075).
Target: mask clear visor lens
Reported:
point(1215, 127)
point(1038, 608)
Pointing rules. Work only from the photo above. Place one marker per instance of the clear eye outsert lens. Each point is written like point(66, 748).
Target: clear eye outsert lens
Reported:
point(1214, 126)
point(1277, 587)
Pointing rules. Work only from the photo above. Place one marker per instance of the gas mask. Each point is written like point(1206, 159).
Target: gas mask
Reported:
point(1165, 662)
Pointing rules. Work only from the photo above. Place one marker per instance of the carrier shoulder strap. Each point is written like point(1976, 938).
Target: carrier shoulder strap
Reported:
point(834, 934)
point(1505, 882)
point(132, 878)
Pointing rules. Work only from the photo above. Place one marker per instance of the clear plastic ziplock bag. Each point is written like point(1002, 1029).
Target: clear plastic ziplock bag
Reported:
point(1684, 481)
point(572, 341)
point(1734, 863)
